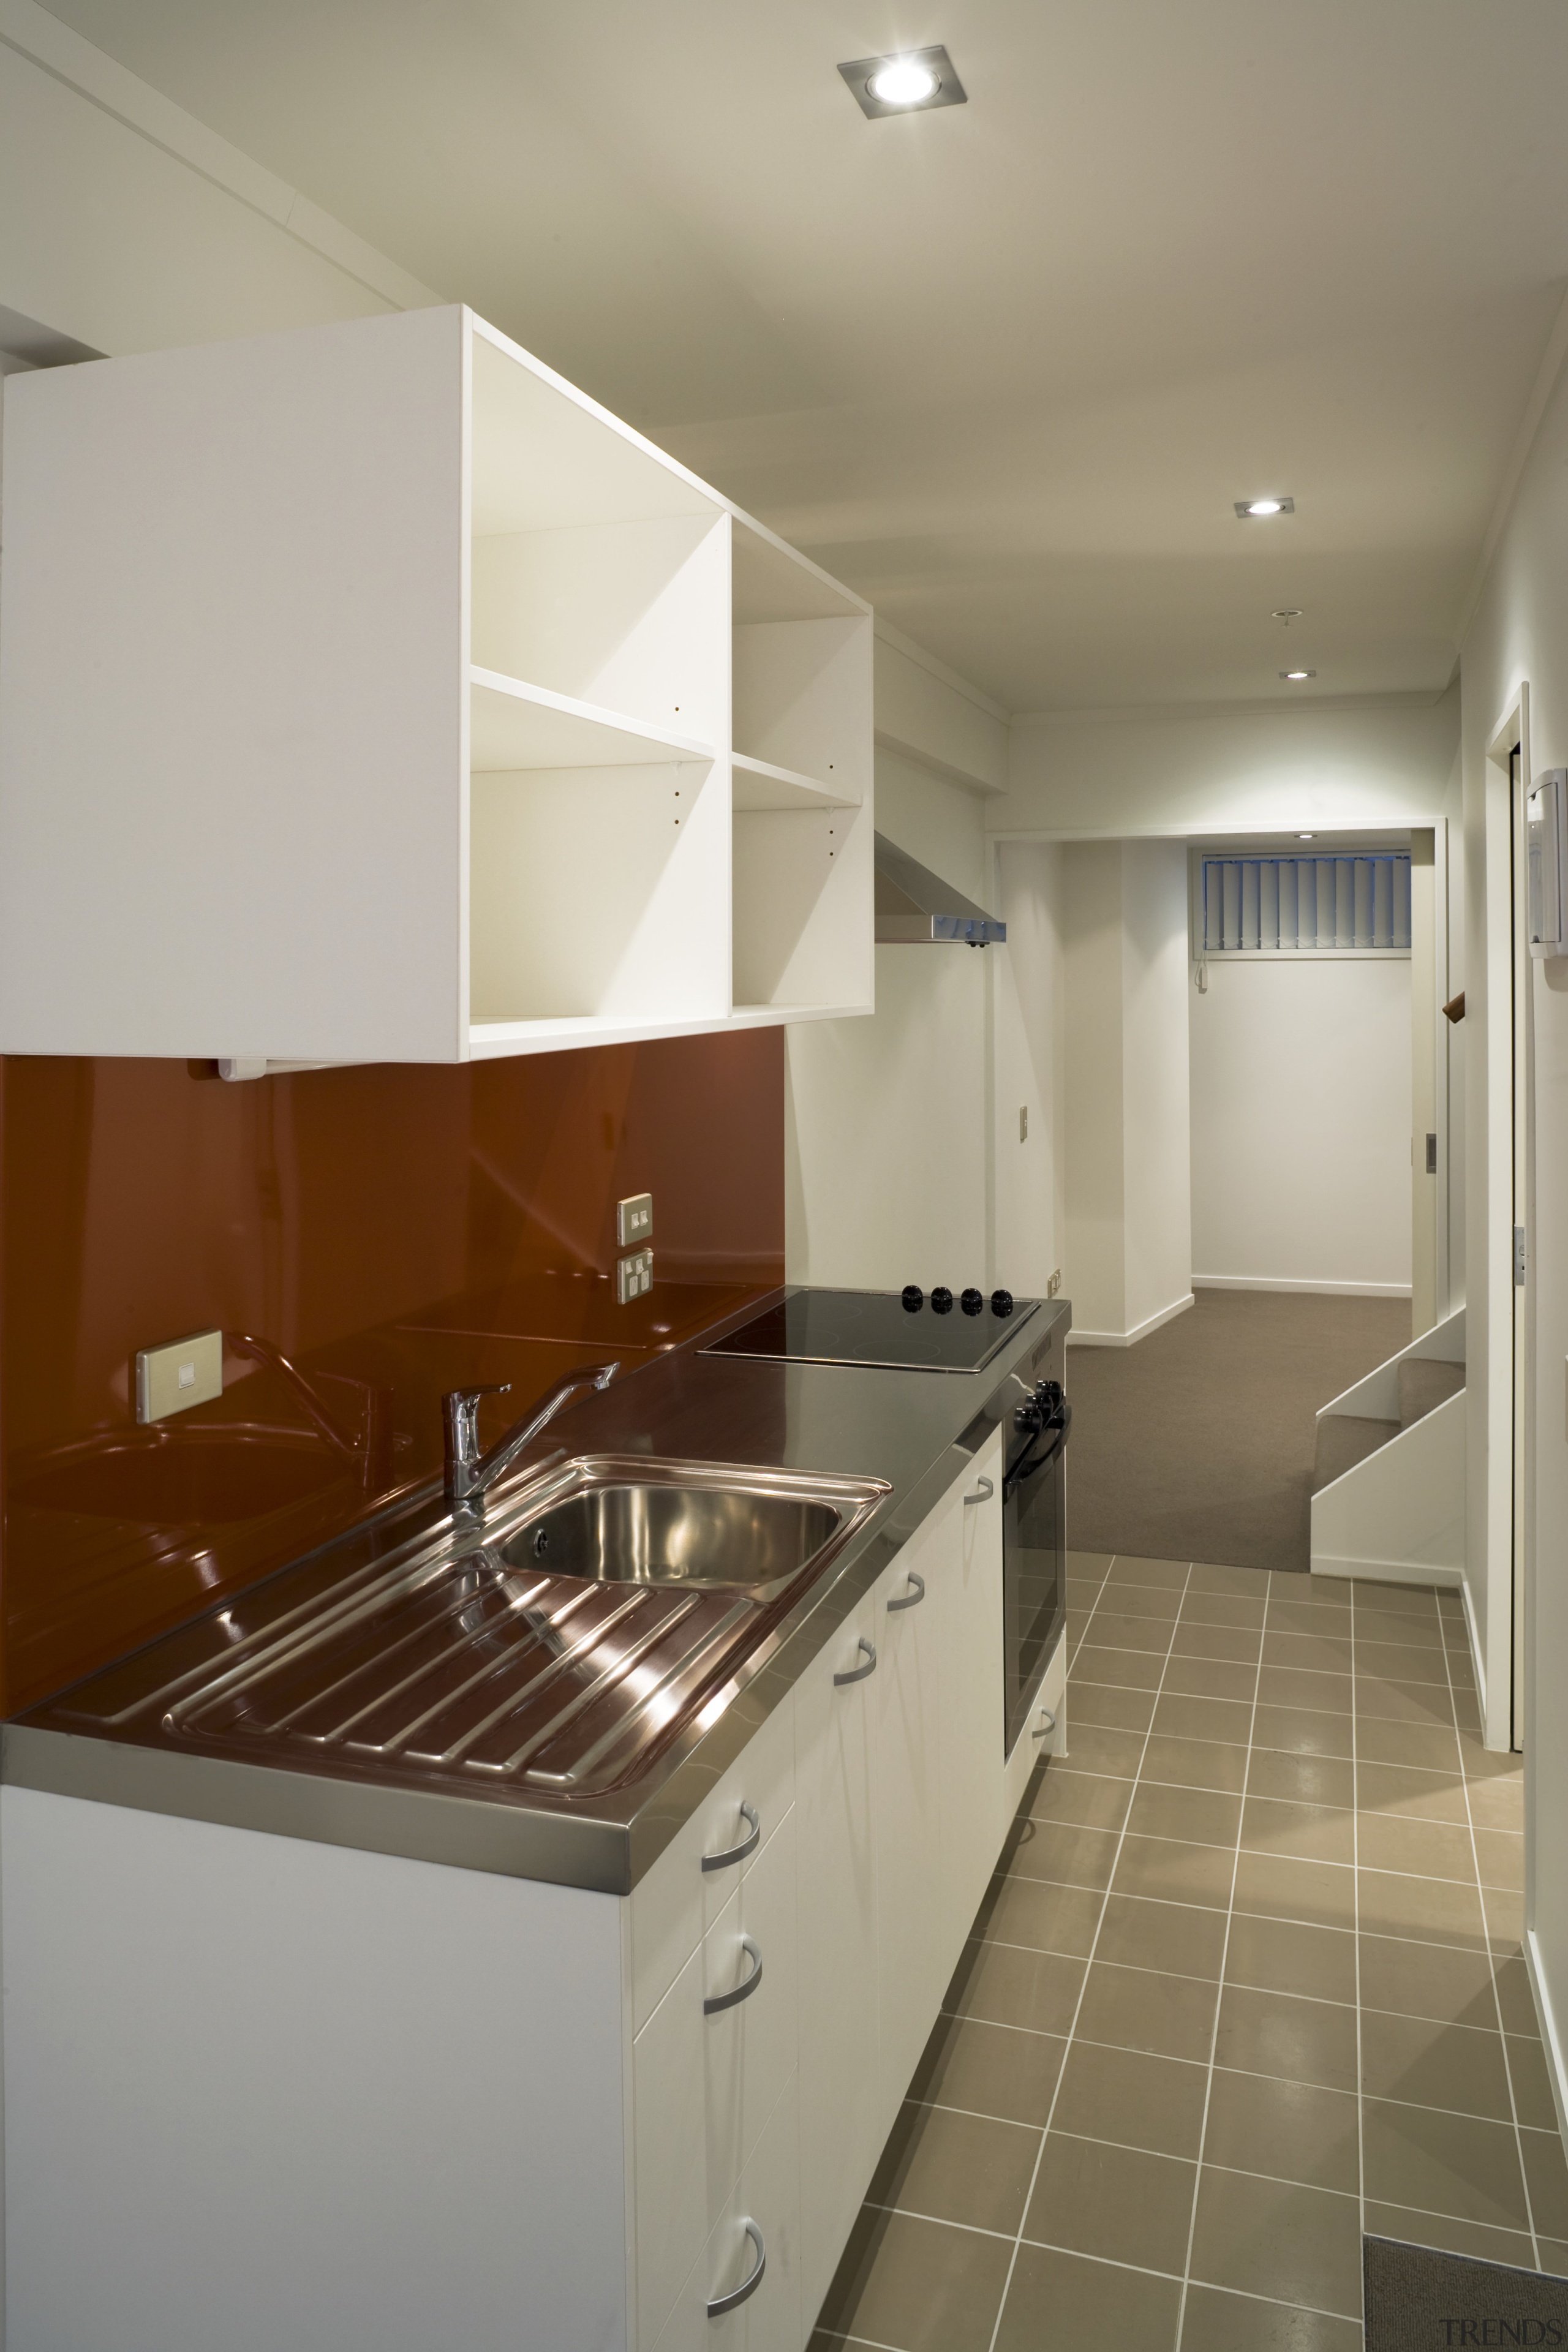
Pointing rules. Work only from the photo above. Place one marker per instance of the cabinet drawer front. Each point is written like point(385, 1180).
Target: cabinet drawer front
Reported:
point(771, 2318)
point(749, 2046)
point(670, 2170)
point(677, 1900)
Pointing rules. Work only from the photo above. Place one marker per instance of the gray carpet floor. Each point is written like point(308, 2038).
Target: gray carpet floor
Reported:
point(1197, 1443)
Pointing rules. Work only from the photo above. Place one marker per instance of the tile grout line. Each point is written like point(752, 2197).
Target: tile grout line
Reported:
point(1491, 1960)
point(1083, 1988)
point(1219, 1989)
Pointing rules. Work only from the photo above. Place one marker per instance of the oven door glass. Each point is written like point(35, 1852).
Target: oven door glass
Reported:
point(1033, 1589)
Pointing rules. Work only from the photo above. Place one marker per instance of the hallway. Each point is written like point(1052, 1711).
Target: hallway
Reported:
point(1250, 1984)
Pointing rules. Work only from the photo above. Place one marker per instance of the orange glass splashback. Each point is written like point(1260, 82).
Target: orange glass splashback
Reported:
point(392, 1230)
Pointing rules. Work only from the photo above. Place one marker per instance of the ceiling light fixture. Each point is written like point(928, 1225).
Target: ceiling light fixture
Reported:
point(1306, 837)
point(1285, 613)
point(1295, 674)
point(1255, 509)
point(911, 82)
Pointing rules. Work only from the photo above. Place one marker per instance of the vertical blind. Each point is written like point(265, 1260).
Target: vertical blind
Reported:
point(1306, 902)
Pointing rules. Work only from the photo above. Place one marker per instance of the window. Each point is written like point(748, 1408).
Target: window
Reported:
point(1314, 906)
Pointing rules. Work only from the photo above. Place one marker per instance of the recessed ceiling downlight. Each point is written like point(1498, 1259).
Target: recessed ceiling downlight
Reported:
point(910, 82)
point(1257, 509)
point(1295, 676)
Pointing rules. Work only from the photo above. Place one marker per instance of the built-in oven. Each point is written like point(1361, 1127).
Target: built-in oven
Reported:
point(1035, 1423)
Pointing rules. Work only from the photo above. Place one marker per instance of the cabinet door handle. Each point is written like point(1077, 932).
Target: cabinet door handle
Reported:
point(751, 2282)
point(858, 1674)
point(1045, 1726)
point(983, 1494)
point(737, 1852)
point(912, 1600)
point(743, 1991)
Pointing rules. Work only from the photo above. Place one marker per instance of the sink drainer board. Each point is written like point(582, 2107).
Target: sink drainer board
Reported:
point(444, 1664)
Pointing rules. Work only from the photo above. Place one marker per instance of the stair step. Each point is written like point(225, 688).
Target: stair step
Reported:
point(1424, 1385)
point(1344, 1440)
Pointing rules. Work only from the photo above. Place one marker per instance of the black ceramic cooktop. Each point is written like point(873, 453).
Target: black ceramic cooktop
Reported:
point(874, 1327)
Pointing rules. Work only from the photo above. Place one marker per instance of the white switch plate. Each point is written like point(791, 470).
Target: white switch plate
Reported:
point(634, 1221)
point(179, 1374)
point(634, 1277)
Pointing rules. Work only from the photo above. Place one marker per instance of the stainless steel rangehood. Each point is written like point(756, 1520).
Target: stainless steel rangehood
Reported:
point(915, 907)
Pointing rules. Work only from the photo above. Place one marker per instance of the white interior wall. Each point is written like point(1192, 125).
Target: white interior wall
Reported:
point(1157, 1180)
point(1029, 1016)
point(1300, 1124)
point(1095, 1266)
point(1518, 638)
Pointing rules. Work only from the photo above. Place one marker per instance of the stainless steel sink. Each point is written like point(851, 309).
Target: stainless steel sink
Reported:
point(685, 1525)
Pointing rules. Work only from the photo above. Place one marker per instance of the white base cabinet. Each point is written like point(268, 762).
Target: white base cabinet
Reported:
point(260, 2092)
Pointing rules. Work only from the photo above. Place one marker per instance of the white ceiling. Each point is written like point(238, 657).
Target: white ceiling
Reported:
point(1003, 367)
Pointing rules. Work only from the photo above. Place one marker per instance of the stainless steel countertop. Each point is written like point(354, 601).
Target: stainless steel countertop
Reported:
point(113, 1738)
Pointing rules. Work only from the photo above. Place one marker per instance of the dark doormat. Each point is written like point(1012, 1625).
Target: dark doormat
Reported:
point(1421, 2300)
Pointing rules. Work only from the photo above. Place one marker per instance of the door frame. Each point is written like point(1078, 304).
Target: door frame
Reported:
point(1507, 1142)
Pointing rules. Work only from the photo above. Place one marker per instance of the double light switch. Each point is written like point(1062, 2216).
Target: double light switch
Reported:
point(634, 1231)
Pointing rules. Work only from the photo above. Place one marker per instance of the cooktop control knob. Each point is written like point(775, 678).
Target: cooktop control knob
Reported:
point(914, 1298)
point(973, 1301)
point(1001, 1302)
point(942, 1300)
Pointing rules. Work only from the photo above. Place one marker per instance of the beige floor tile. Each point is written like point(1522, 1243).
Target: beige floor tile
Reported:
point(1429, 1747)
point(1095, 1706)
point(1038, 1991)
point(1234, 1644)
point(1091, 1564)
point(1442, 2164)
point(1419, 1796)
point(1224, 1609)
point(1307, 1591)
point(1531, 2082)
point(990, 2069)
point(1093, 1748)
point(953, 2167)
point(1065, 1853)
point(1449, 2236)
point(1113, 1629)
point(1195, 1764)
point(1426, 1910)
point(1298, 2041)
point(1547, 2174)
point(1371, 1593)
point(1179, 1938)
point(1147, 1605)
point(1169, 1870)
point(1432, 2066)
point(1085, 1799)
point(1498, 1804)
point(1202, 1816)
point(1403, 1702)
point(1501, 1854)
point(1298, 1617)
point(1309, 1832)
point(1127, 1570)
point(1218, 2321)
point(1554, 2255)
point(1301, 2245)
point(1250, 1582)
point(1403, 1662)
point(1121, 2204)
point(1181, 1717)
point(1489, 1763)
point(1427, 1980)
point(1277, 1887)
point(1058, 2299)
point(1132, 2098)
point(1515, 1999)
point(1122, 1669)
point(1040, 1917)
point(1416, 1630)
point(1291, 1687)
point(1425, 1849)
point(916, 2286)
point(1292, 2131)
point(1305, 1731)
point(1318, 1653)
point(1278, 1955)
point(1211, 1678)
point(1302, 1779)
point(1143, 2009)
point(1505, 1920)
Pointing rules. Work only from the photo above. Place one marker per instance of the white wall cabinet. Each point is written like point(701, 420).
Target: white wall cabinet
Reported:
point(367, 693)
point(304, 2094)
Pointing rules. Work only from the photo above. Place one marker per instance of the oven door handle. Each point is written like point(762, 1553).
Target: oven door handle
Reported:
point(1029, 1462)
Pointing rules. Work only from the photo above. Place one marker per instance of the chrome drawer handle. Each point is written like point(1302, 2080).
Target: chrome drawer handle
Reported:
point(912, 1600)
point(984, 1496)
point(749, 2284)
point(737, 1852)
point(743, 1991)
point(858, 1674)
point(1045, 1726)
